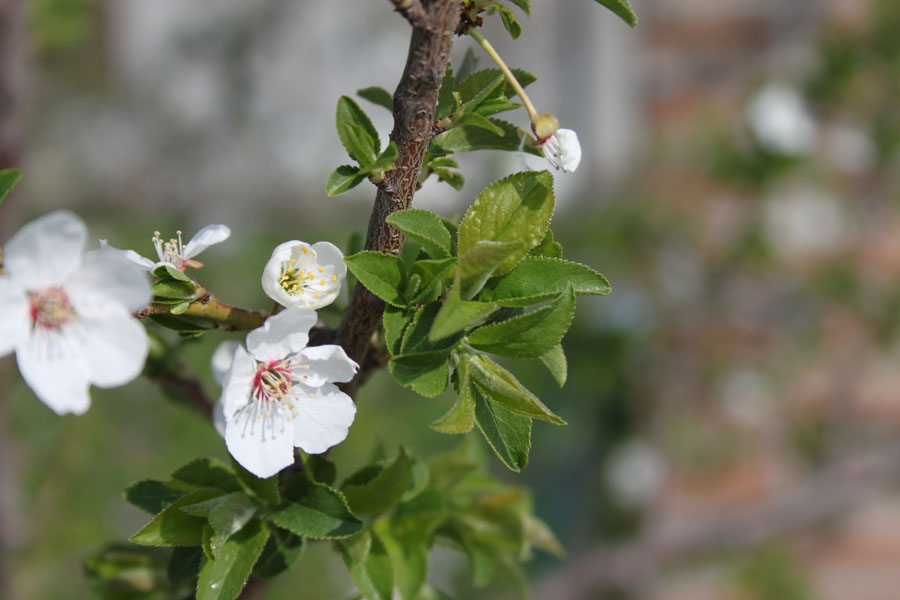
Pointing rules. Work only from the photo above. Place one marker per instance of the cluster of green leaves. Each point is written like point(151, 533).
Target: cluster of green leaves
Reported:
point(224, 525)
point(171, 286)
point(473, 8)
point(467, 294)
point(360, 140)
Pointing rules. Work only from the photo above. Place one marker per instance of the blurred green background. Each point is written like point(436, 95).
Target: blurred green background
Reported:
point(739, 189)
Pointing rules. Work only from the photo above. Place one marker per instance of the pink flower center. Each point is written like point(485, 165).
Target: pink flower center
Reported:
point(50, 309)
point(272, 381)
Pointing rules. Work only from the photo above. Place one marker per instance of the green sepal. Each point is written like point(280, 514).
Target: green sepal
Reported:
point(538, 279)
point(314, 510)
point(382, 274)
point(225, 577)
point(500, 386)
point(622, 9)
point(529, 335)
point(345, 177)
point(369, 565)
point(378, 95)
point(8, 180)
point(174, 527)
point(555, 361)
point(282, 549)
point(355, 130)
point(425, 227)
point(383, 491)
point(507, 433)
point(457, 314)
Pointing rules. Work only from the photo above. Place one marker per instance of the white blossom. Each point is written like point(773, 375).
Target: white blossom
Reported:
point(562, 150)
point(781, 121)
point(67, 315)
point(173, 252)
point(280, 394)
point(300, 275)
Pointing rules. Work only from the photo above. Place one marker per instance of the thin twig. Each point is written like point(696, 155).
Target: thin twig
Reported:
point(207, 307)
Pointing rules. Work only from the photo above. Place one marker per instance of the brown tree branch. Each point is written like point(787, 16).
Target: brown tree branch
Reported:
point(824, 496)
point(413, 11)
point(414, 103)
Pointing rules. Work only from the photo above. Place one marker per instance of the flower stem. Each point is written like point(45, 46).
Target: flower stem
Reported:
point(510, 77)
point(207, 307)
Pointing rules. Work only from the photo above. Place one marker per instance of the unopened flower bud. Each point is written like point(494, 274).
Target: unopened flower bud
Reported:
point(544, 126)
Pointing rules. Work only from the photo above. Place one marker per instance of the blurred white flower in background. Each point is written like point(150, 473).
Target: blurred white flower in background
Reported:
point(780, 120)
point(67, 315)
point(803, 223)
point(636, 473)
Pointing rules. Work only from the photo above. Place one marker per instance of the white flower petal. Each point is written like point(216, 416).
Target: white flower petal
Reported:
point(53, 366)
point(46, 250)
point(271, 278)
point(562, 150)
point(329, 255)
point(282, 334)
point(137, 259)
point(222, 359)
point(106, 278)
point(15, 320)
point(206, 237)
point(327, 364)
point(323, 419)
point(115, 347)
point(260, 452)
point(238, 382)
point(218, 417)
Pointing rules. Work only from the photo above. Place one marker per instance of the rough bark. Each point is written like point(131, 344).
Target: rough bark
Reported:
point(414, 103)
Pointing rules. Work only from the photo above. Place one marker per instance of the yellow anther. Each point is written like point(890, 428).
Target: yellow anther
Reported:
point(311, 396)
point(321, 269)
point(322, 282)
point(292, 260)
point(302, 272)
point(295, 287)
point(302, 291)
point(334, 277)
point(306, 367)
point(318, 294)
point(305, 250)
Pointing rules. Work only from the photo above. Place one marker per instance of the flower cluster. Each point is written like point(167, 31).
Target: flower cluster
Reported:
point(68, 317)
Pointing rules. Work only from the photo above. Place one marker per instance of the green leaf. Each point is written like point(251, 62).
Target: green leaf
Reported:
point(525, 5)
point(421, 476)
point(548, 247)
point(356, 132)
point(500, 386)
point(508, 434)
point(446, 101)
point(208, 472)
point(555, 361)
point(432, 274)
point(226, 515)
point(451, 178)
point(264, 489)
point(173, 291)
point(315, 510)
point(378, 95)
point(382, 274)
point(461, 416)
point(8, 180)
point(480, 263)
point(395, 321)
point(409, 557)
point(467, 65)
point(184, 563)
point(496, 105)
point(224, 578)
point(416, 340)
point(540, 535)
point(384, 162)
point(622, 9)
point(167, 271)
point(426, 373)
point(514, 209)
point(319, 468)
point(282, 549)
point(509, 21)
point(153, 496)
point(425, 227)
point(343, 178)
point(466, 139)
point(174, 527)
point(493, 90)
point(529, 335)
point(474, 119)
point(538, 279)
point(127, 570)
point(457, 314)
point(369, 565)
point(384, 490)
